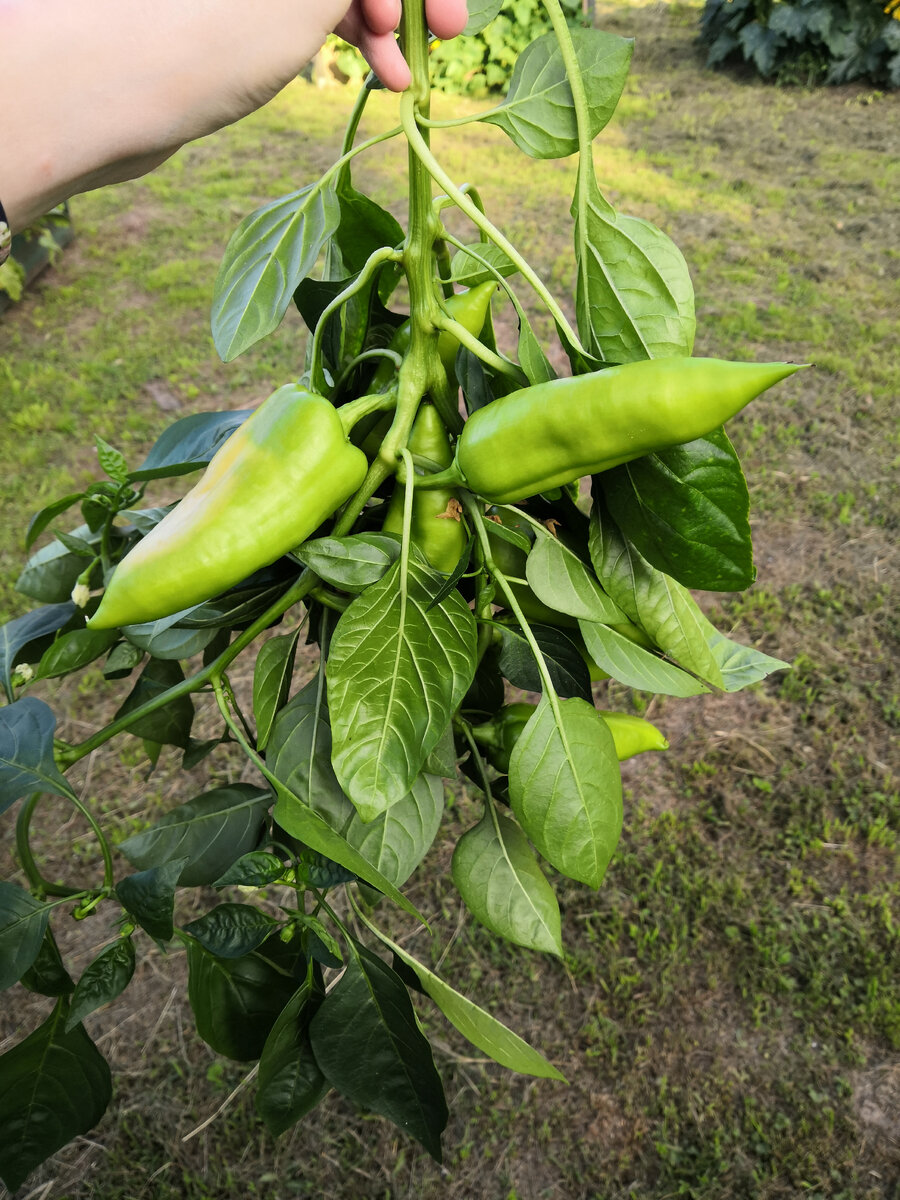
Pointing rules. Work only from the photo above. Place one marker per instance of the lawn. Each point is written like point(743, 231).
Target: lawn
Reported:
point(728, 1011)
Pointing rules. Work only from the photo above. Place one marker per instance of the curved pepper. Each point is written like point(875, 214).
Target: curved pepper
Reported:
point(631, 735)
point(553, 433)
point(276, 479)
point(441, 539)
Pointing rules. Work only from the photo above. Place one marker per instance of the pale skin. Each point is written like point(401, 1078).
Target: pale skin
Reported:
point(99, 91)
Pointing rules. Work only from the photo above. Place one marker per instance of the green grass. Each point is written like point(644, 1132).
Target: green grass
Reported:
point(728, 1012)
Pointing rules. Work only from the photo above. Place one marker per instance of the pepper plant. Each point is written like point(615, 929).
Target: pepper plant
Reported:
point(410, 508)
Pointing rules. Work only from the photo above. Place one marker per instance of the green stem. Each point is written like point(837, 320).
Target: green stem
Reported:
point(355, 410)
point(23, 848)
point(420, 147)
point(366, 356)
point(472, 344)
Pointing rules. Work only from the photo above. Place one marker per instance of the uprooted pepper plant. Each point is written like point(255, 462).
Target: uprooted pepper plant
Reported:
point(445, 520)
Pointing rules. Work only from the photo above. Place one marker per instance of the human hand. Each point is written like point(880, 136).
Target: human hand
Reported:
point(370, 25)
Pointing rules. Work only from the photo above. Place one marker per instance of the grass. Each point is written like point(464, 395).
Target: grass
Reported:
point(728, 1012)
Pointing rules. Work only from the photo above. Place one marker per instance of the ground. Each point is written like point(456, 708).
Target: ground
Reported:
point(727, 1014)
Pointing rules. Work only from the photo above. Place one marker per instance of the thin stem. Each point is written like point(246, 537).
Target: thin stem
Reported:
point(356, 410)
point(23, 848)
point(378, 352)
point(373, 262)
point(472, 344)
point(440, 176)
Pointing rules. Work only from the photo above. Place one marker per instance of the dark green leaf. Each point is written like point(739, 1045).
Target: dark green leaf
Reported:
point(189, 444)
point(565, 788)
point(318, 943)
point(563, 659)
point(352, 563)
point(47, 975)
point(290, 1081)
point(23, 923)
point(539, 112)
point(26, 752)
point(397, 672)
point(169, 725)
point(268, 255)
point(172, 643)
point(256, 869)
point(149, 897)
point(53, 1087)
point(51, 572)
point(442, 760)
point(687, 511)
point(364, 227)
point(103, 980)
point(497, 875)
point(209, 833)
point(369, 1047)
point(42, 519)
point(455, 575)
point(272, 682)
point(74, 650)
point(236, 1001)
point(17, 635)
point(122, 660)
point(231, 930)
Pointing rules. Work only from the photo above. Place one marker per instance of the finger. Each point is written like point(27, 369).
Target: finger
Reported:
point(446, 18)
point(382, 52)
point(381, 16)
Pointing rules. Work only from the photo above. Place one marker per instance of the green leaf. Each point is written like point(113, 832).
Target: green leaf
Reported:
point(634, 666)
point(268, 255)
point(231, 930)
point(46, 515)
point(665, 610)
point(53, 1087)
point(559, 578)
point(47, 975)
point(396, 674)
point(19, 634)
point(565, 788)
point(687, 511)
point(23, 923)
point(169, 725)
point(272, 682)
point(26, 752)
point(442, 760)
point(498, 877)
point(112, 461)
point(465, 268)
point(236, 1001)
point(189, 444)
point(740, 665)
point(51, 572)
point(634, 297)
point(369, 1047)
point(539, 112)
point(566, 666)
point(149, 897)
point(481, 13)
point(484, 1031)
point(352, 563)
point(256, 869)
point(290, 1083)
point(209, 833)
point(103, 980)
point(74, 650)
point(162, 640)
point(122, 660)
point(364, 226)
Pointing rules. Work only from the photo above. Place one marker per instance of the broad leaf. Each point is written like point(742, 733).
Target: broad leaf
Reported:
point(496, 873)
point(149, 897)
point(23, 923)
point(364, 226)
point(268, 255)
point(687, 510)
point(634, 666)
point(256, 869)
point(539, 112)
point(74, 650)
point(169, 725)
point(351, 563)
point(481, 13)
point(272, 682)
point(564, 661)
point(162, 640)
point(236, 1001)
point(559, 578)
point(467, 270)
point(45, 516)
point(53, 1087)
point(231, 930)
point(189, 444)
point(634, 297)
point(103, 980)
point(740, 665)
point(397, 672)
point(369, 1047)
point(16, 635)
point(210, 833)
point(51, 572)
point(484, 1031)
point(290, 1083)
point(47, 975)
point(26, 752)
point(565, 788)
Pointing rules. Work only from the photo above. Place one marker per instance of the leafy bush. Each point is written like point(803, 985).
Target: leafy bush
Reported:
point(811, 41)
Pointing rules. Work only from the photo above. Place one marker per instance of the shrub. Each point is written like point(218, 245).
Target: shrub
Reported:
point(806, 41)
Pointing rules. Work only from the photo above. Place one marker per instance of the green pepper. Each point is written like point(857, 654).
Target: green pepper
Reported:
point(276, 479)
point(631, 735)
point(553, 433)
point(469, 308)
point(441, 538)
